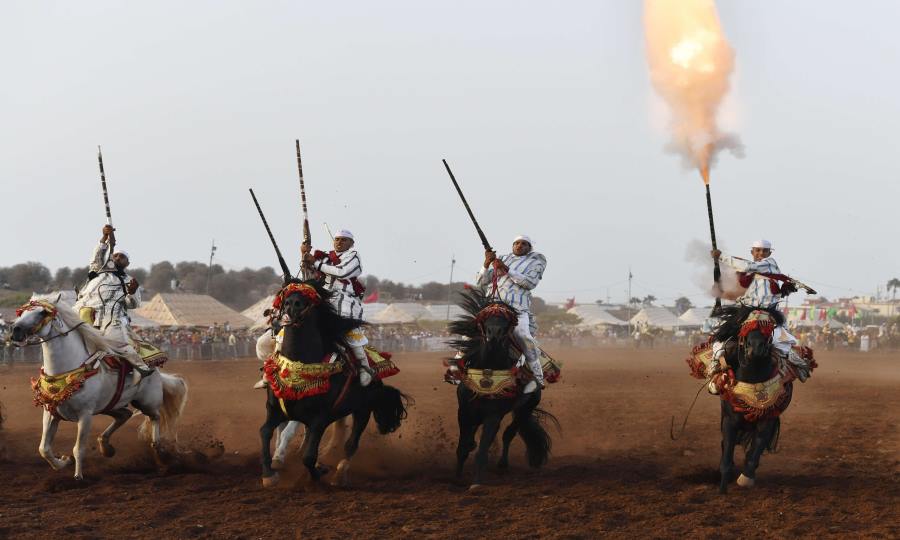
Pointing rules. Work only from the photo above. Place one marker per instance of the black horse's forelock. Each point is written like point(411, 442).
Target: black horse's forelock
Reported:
point(333, 327)
point(471, 341)
point(733, 316)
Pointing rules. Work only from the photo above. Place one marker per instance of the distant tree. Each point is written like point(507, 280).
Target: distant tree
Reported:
point(538, 305)
point(434, 291)
point(62, 279)
point(648, 300)
point(30, 276)
point(893, 285)
point(634, 300)
point(683, 304)
point(160, 277)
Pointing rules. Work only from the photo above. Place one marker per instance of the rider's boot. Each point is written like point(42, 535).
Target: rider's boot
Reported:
point(362, 359)
point(139, 369)
point(534, 364)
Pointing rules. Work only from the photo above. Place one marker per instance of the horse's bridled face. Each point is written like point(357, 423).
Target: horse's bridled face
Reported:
point(495, 328)
point(756, 347)
point(25, 325)
point(296, 306)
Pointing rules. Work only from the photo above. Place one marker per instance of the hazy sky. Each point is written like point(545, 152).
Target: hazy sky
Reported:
point(544, 111)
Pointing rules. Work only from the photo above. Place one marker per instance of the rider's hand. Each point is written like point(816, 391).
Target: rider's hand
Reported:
point(308, 260)
point(499, 266)
point(715, 254)
point(305, 248)
point(132, 286)
point(489, 257)
point(107, 232)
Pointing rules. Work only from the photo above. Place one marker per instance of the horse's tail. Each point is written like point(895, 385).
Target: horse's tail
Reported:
point(389, 407)
point(537, 441)
point(175, 396)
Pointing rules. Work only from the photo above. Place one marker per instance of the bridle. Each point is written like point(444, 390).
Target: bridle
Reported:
point(50, 313)
point(497, 309)
point(760, 321)
point(290, 289)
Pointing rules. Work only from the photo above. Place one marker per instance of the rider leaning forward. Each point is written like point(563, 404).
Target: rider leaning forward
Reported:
point(516, 274)
point(340, 270)
point(106, 298)
point(762, 292)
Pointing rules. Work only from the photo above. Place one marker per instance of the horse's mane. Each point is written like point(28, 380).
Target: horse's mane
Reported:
point(332, 326)
point(732, 317)
point(93, 339)
point(470, 342)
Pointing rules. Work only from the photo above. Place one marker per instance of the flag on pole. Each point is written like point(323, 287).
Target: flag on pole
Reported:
point(372, 298)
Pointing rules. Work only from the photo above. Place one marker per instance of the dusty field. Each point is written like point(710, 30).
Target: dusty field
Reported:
point(614, 471)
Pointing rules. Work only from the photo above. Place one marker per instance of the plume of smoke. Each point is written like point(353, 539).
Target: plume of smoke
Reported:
point(697, 253)
point(690, 63)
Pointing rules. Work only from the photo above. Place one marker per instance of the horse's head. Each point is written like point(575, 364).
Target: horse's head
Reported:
point(297, 302)
point(33, 320)
point(755, 338)
point(496, 321)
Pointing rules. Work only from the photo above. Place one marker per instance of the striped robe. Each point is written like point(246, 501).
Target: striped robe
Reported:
point(337, 280)
point(759, 293)
point(514, 288)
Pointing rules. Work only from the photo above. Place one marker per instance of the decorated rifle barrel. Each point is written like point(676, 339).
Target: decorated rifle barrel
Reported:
point(284, 266)
point(307, 237)
point(484, 241)
point(717, 272)
point(103, 185)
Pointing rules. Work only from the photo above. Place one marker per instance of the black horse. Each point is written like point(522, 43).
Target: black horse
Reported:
point(487, 346)
point(313, 332)
point(748, 352)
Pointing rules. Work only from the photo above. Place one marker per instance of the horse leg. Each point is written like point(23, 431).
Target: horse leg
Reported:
point(508, 435)
point(274, 417)
point(120, 416)
point(466, 443)
point(286, 434)
point(360, 421)
point(488, 434)
point(84, 431)
point(764, 432)
point(311, 453)
point(50, 424)
point(729, 439)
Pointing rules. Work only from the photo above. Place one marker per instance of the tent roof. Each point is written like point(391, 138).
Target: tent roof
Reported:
point(656, 316)
point(182, 309)
point(692, 317)
point(405, 312)
point(594, 315)
point(255, 312)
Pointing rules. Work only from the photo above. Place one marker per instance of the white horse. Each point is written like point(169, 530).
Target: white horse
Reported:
point(70, 349)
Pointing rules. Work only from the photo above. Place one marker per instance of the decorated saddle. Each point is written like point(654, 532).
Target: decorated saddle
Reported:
point(51, 391)
point(756, 401)
point(294, 380)
point(499, 384)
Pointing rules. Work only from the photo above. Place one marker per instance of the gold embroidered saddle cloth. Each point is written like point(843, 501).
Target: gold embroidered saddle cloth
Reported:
point(489, 383)
point(293, 380)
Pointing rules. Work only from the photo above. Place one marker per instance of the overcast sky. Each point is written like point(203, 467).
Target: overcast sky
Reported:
point(544, 111)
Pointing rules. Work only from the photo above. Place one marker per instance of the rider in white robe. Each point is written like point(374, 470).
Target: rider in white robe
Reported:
point(106, 298)
point(517, 274)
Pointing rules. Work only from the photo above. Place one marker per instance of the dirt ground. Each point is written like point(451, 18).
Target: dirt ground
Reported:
point(614, 471)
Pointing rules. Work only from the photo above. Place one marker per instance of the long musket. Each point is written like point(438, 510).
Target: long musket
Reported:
point(112, 239)
point(484, 241)
point(717, 272)
point(284, 267)
point(307, 238)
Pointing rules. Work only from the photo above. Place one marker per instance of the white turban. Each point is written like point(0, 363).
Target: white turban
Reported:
point(344, 233)
point(523, 238)
point(762, 244)
point(121, 251)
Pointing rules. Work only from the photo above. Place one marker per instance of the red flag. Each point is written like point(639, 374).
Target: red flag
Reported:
point(822, 314)
point(371, 298)
point(570, 303)
point(852, 312)
point(802, 314)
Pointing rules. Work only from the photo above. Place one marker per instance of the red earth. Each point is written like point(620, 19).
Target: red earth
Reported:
point(614, 471)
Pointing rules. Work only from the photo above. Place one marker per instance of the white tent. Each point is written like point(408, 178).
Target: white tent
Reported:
point(692, 317)
point(658, 317)
point(401, 313)
point(592, 315)
point(255, 312)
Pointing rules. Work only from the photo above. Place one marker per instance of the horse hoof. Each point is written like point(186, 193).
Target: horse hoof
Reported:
point(64, 461)
point(743, 481)
point(475, 488)
point(78, 477)
point(322, 469)
point(342, 476)
point(106, 450)
point(270, 481)
point(277, 464)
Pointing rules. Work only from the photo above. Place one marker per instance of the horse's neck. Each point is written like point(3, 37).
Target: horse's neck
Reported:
point(758, 370)
point(303, 343)
point(65, 353)
point(498, 358)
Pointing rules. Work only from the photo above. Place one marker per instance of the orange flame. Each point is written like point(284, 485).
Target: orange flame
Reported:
point(690, 63)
